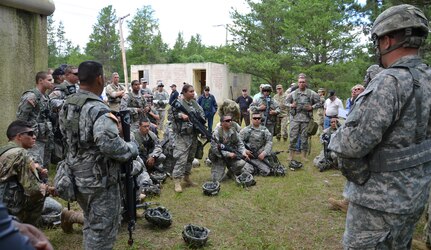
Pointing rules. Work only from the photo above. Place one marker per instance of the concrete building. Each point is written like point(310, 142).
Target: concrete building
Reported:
point(23, 50)
point(223, 83)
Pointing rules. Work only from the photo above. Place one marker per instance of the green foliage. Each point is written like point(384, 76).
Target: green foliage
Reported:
point(104, 45)
point(146, 44)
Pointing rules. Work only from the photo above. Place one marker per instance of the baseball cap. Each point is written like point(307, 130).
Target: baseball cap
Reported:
point(173, 85)
point(143, 80)
point(160, 84)
point(58, 72)
point(207, 88)
point(331, 93)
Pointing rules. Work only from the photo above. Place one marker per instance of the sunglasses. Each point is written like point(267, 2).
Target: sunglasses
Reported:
point(257, 118)
point(228, 120)
point(29, 133)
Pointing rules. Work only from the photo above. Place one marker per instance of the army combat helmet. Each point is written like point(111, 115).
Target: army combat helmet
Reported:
point(158, 216)
point(211, 188)
point(401, 17)
point(195, 236)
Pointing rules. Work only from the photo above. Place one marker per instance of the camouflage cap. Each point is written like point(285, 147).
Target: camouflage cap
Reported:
point(266, 87)
point(321, 90)
point(399, 17)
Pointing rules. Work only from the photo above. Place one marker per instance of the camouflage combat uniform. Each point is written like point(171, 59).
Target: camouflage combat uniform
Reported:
point(34, 108)
point(270, 124)
point(56, 100)
point(282, 118)
point(319, 161)
point(114, 102)
point(385, 139)
point(19, 186)
point(133, 103)
point(160, 100)
point(300, 117)
point(94, 150)
point(168, 145)
point(258, 140)
point(231, 139)
point(149, 146)
point(185, 138)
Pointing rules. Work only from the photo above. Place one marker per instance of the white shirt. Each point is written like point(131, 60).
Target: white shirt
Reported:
point(332, 107)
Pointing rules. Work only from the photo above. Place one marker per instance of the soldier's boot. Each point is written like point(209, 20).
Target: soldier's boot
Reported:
point(342, 205)
point(177, 183)
point(68, 217)
point(188, 182)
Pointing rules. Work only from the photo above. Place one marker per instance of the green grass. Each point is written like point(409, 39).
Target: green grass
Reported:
point(288, 212)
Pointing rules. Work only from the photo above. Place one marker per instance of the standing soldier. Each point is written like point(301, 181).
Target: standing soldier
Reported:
point(135, 103)
point(302, 101)
point(320, 111)
point(384, 146)
point(283, 116)
point(115, 92)
point(160, 100)
point(259, 142)
point(34, 108)
point(94, 152)
point(267, 107)
point(185, 137)
point(226, 134)
point(56, 99)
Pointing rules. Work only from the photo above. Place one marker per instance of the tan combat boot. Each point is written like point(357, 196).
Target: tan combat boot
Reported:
point(68, 217)
point(342, 205)
point(177, 183)
point(188, 182)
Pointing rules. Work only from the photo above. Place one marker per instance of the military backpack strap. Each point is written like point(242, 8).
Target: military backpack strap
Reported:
point(6, 148)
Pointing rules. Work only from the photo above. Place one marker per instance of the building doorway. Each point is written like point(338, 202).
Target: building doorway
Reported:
point(199, 80)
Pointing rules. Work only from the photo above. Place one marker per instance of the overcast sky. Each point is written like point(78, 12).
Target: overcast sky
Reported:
point(188, 16)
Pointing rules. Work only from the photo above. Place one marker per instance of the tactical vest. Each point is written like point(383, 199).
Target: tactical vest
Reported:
point(254, 144)
point(11, 192)
point(232, 141)
point(145, 147)
point(66, 89)
point(301, 100)
point(44, 110)
point(115, 99)
point(384, 160)
point(71, 115)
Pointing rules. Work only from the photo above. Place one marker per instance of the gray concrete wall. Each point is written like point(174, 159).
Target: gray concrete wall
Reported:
point(23, 52)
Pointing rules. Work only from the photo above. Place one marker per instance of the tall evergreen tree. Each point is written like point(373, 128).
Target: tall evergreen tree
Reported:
point(104, 45)
point(146, 44)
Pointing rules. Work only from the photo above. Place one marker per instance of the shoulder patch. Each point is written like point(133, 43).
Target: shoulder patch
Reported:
point(113, 117)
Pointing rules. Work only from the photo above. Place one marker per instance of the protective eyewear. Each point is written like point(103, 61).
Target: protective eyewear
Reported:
point(257, 118)
point(29, 133)
point(228, 120)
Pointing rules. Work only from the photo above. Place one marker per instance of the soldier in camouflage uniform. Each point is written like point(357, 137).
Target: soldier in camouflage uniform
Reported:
point(302, 102)
point(150, 149)
point(34, 108)
point(136, 104)
point(384, 146)
point(168, 145)
point(283, 116)
point(185, 137)
point(258, 140)
point(114, 92)
point(226, 134)
point(56, 99)
point(320, 111)
point(94, 152)
point(21, 189)
point(270, 117)
point(160, 100)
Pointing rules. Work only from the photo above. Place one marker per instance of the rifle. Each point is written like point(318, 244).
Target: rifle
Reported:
point(255, 156)
point(268, 107)
point(129, 200)
point(198, 122)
